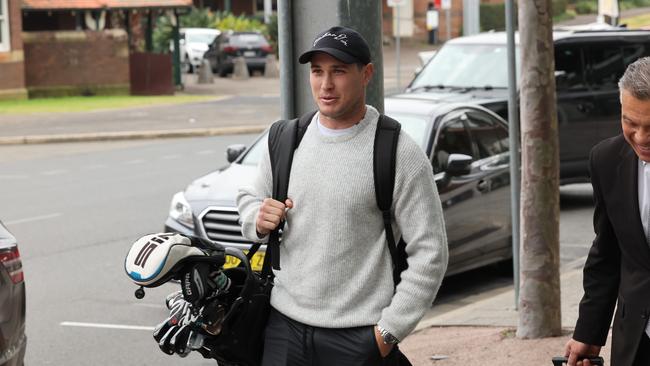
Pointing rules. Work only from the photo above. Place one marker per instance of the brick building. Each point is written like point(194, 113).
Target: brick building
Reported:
point(12, 59)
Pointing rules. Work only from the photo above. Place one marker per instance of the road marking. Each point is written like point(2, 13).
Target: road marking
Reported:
point(170, 157)
point(15, 176)
point(136, 161)
point(148, 305)
point(35, 218)
point(205, 152)
point(54, 172)
point(95, 166)
point(106, 326)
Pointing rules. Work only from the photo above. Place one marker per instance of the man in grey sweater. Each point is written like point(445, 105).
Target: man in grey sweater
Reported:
point(334, 301)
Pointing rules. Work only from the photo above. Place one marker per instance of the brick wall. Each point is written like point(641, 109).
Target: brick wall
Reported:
point(76, 62)
point(12, 68)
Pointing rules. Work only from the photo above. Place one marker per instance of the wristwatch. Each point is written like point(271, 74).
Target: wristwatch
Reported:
point(386, 336)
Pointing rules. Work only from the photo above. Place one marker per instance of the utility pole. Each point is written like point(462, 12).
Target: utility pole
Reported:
point(298, 24)
point(539, 296)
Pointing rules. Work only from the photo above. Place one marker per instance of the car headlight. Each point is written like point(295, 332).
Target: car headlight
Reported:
point(181, 211)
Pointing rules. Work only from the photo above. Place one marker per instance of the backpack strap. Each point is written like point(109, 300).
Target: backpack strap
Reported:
point(384, 156)
point(284, 138)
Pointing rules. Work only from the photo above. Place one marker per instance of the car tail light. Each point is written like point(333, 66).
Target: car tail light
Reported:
point(230, 49)
point(267, 48)
point(10, 259)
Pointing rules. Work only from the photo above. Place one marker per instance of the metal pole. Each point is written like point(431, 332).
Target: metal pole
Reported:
point(285, 45)
point(177, 50)
point(397, 46)
point(513, 127)
point(268, 11)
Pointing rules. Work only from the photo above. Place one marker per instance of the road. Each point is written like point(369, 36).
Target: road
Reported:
point(77, 208)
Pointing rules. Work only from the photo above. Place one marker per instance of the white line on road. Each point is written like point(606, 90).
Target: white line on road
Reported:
point(54, 172)
point(135, 161)
point(149, 305)
point(205, 152)
point(35, 218)
point(106, 326)
point(15, 176)
point(170, 157)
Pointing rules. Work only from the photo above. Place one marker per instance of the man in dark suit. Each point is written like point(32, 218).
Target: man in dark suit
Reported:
point(618, 265)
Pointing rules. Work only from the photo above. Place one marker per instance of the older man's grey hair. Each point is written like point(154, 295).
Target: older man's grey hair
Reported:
point(636, 79)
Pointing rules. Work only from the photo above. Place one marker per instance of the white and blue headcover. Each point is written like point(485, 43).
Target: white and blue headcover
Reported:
point(154, 258)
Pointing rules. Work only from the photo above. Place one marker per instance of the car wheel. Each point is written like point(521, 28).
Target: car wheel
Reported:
point(187, 66)
point(222, 71)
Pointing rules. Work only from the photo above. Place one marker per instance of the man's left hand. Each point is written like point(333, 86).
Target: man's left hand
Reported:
point(384, 349)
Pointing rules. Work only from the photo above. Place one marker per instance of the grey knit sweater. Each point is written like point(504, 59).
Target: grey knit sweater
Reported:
point(335, 264)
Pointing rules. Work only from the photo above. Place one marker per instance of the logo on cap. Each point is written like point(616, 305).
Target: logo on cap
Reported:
point(339, 37)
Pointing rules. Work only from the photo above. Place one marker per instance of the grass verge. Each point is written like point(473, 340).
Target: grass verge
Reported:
point(637, 22)
point(85, 104)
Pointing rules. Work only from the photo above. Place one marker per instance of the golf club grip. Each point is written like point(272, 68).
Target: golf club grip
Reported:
point(596, 361)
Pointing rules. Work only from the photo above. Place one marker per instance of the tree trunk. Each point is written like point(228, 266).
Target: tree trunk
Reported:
point(539, 298)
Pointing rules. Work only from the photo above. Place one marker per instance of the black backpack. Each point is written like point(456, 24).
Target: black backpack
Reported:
point(284, 138)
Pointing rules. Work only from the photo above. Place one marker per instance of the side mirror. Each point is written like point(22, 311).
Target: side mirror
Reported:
point(233, 152)
point(458, 164)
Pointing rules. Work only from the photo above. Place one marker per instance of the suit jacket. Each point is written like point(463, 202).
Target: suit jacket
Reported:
point(618, 265)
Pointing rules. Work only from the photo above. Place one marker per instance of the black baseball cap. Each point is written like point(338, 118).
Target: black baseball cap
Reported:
point(342, 43)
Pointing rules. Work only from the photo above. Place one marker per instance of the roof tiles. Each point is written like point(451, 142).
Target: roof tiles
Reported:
point(102, 4)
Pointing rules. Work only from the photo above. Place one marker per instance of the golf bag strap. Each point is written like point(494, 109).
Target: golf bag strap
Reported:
point(384, 156)
point(284, 138)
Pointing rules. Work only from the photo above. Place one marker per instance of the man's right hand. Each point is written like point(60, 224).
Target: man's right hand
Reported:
point(575, 350)
point(270, 215)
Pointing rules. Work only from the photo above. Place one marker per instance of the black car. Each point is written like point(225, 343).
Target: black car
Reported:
point(468, 148)
point(12, 302)
point(252, 46)
point(588, 65)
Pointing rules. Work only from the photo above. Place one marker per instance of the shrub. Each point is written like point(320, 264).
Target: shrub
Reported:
point(586, 7)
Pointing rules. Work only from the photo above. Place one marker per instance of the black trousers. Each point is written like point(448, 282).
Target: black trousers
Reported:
point(643, 352)
point(291, 343)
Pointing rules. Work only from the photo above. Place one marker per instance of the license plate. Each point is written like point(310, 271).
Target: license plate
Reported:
point(249, 53)
point(256, 262)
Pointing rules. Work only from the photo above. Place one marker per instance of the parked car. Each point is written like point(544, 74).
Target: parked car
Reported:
point(193, 44)
point(12, 302)
point(229, 45)
point(588, 65)
point(468, 147)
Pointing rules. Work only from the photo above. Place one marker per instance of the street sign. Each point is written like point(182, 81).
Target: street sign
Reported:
point(394, 3)
point(445, 4)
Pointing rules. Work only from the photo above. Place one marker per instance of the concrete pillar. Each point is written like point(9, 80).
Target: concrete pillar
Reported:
point(300, 22)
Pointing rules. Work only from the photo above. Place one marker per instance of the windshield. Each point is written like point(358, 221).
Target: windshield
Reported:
point(254, 155)
point(414, 126)
point(206, 38)
point(467, 66)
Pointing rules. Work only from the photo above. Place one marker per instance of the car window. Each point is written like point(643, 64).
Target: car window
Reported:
point(414, 126)
point(632, 52)
point(255, 153)
point(569, 69)
point(604, 65)
point(247, 38)
point(206, 38)
point(452, 139)
point(467, 65)
point(490, 136)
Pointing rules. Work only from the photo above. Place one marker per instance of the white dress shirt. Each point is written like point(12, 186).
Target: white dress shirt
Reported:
point(644, 205)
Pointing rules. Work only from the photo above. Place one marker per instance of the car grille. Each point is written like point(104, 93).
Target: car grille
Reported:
point(222, 225)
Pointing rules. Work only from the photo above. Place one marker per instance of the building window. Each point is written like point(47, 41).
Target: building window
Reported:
point(5, 40)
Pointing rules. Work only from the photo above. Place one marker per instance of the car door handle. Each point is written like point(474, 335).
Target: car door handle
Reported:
point(483, 186)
